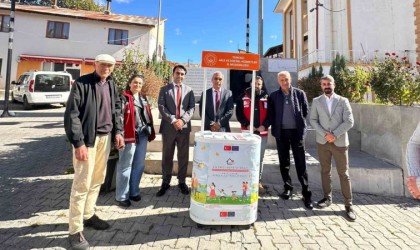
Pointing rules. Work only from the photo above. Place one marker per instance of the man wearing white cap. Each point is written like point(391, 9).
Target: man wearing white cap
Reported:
point(92, 120)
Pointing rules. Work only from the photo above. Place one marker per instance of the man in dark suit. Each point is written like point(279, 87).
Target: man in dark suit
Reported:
point(288, 110)
point(219, 106)
point(176, 106)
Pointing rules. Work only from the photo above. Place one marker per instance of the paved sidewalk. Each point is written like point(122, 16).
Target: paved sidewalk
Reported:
point(34, 193)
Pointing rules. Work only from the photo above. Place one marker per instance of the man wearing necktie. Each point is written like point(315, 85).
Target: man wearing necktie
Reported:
point(176, 106)
point(219, 105)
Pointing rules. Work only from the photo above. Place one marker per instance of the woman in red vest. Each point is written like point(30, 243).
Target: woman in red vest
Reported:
point(138, 130)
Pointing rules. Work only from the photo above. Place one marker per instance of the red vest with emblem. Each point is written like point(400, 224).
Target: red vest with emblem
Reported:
point(262, 105)
point(130, 120)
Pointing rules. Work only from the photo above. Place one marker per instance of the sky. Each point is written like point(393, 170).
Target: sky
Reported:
point(218, 25)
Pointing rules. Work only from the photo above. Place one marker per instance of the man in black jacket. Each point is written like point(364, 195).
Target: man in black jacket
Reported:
point(288, 110)
point(92, 120)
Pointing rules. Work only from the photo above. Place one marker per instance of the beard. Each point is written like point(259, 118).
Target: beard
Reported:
point(327, 91)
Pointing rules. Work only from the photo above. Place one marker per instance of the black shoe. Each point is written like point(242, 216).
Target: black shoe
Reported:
point(163, 189)
point(351, 215)
point(96, 223)
point(308, 203)
point(78, 242)
point(125, 203)
point(307, 199)
point(184, 188)
point(324, 203)
point(286, 194)
point(135, 198)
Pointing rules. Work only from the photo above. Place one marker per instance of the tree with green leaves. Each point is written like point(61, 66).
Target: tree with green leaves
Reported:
point(155, 74)
point(90, 5)
point(337, 71)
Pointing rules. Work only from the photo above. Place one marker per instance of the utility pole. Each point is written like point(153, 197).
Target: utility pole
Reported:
point(261, 28)
point(158, 26)
point(6, 111)
point(316, 24)
point(247, 27)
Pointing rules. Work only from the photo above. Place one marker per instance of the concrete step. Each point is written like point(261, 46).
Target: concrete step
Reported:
point(310, 141)
point(368, 174)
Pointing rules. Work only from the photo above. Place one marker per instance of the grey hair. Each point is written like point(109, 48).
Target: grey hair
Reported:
point(329, 78)
point(284, 73)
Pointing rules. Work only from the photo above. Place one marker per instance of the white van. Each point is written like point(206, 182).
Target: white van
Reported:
point(42, 87)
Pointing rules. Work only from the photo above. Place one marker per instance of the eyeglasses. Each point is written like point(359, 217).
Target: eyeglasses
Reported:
point(218, 79)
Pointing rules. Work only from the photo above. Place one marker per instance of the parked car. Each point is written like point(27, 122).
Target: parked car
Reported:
point(42, 87)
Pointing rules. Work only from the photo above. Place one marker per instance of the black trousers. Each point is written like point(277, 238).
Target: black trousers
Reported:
point(182, 142)
point(289, 139)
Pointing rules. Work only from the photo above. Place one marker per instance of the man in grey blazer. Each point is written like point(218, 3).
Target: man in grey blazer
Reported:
point(331, 117)
point(219, 105)
point(176, 106)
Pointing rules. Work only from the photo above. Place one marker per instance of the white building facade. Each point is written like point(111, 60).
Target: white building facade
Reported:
point(315, 31)
point(56, 39)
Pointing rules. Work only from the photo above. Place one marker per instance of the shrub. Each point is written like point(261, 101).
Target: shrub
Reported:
point(355, 83)
point(155, 74)
point(396, 81)
point(311, 84)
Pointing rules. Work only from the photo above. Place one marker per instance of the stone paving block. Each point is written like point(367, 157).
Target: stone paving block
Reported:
point(287, 230)
point(249, 236)
point(190, 243)
point(367, 247)
point(104, 236)
point(332, 239)
point(165, 241)
point(180, 231)
point(144, 239)
point(217, 236)
point(304, 237)
point(123, 238)
point(311, 246)
point(284, 246)
point(230, 245)
point(323, 242)
point(156, 219)
point(266, 242)
point(123, 226)
point(128, 247)
point(261, 229)
point(278, 237)
point(208, 244)
point(403, 244)
point(236, 236)
point(174, 220)
point(412, 233)
point(161, 229)
point(202, 233)
point(383, 240)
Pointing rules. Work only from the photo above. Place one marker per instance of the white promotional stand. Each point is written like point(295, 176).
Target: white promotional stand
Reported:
point(225, 175)
point(224, 189)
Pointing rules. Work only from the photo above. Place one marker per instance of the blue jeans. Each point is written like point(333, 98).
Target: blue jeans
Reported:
point(130, 168)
